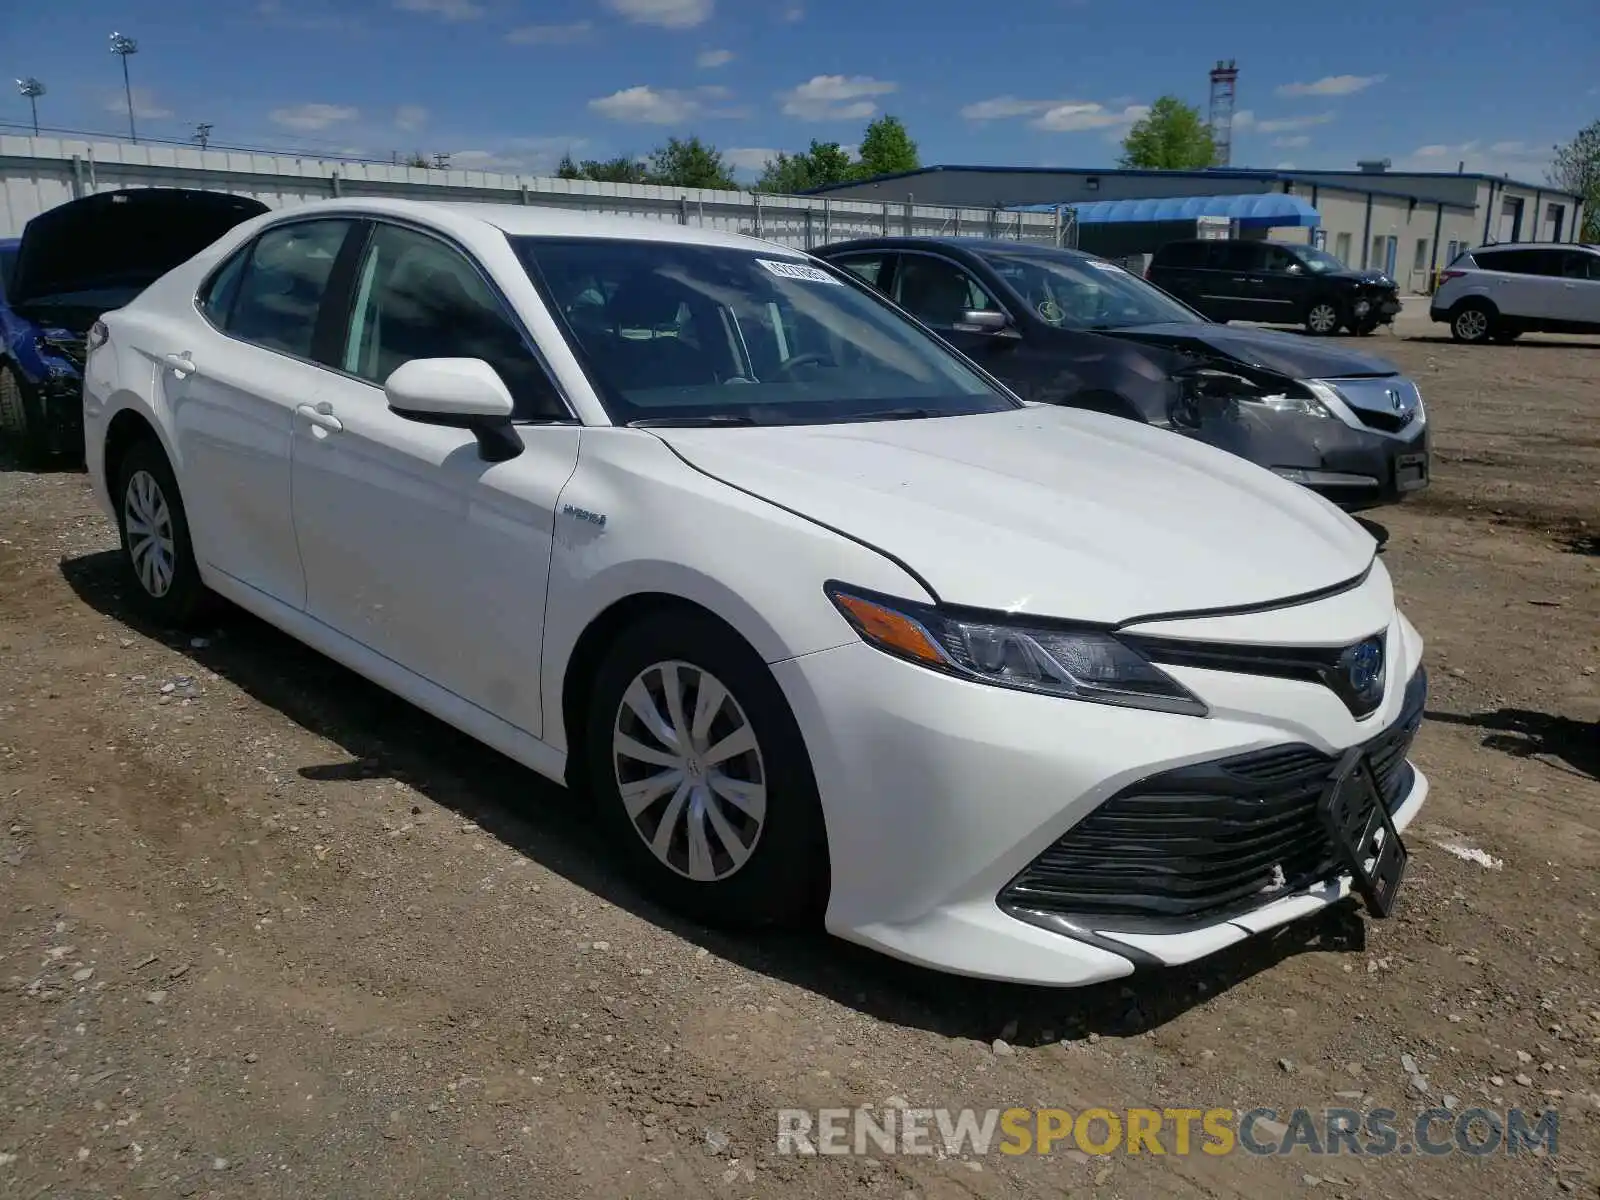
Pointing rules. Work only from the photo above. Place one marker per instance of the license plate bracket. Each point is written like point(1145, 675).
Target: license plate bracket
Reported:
point(1410, 471)
point(1363, 833)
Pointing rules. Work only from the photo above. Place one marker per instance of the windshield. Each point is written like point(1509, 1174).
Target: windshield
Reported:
point(1318, 262)
point(688, 334)
point(1086, 293)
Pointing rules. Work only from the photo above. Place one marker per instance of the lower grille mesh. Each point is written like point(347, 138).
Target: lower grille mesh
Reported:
point(1207, 841)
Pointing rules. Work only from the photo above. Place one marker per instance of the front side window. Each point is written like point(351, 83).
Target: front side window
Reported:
point(1320, 262)
point(417, 297)
point(687, 333)
point(281, 292)
point(1282, 261)
point(939, 292)
point(1077, 292)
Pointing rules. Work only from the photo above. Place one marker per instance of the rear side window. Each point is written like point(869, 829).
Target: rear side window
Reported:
point(1516, 262)
point(217, 296)
point(281, 291)
point(1239, 256)
point(1183, 254)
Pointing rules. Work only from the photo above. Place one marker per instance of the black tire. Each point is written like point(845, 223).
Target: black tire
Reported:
point(784, 879)
point(184, 599)
point(1323, 317)
point(20, 421)
point(1506, 336)
point(1473, 322)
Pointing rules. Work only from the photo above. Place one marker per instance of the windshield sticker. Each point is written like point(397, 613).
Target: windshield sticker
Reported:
point(794, 270)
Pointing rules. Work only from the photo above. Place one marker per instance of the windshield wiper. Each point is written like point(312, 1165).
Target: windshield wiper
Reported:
point(891, 414)
point(699, 422)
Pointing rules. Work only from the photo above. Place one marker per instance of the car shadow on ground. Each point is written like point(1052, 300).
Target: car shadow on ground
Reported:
point(1586, 544)
point(386, 737)
point(1531, 343)
point(11, 460)
point(1524, 733)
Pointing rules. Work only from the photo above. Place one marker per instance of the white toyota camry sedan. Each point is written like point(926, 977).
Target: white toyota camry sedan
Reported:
point(819, 618)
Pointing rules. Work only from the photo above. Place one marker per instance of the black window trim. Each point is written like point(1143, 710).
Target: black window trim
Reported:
point(339, 297)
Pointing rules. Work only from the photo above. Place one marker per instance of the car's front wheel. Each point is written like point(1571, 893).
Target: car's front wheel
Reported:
point(1323, 318)
point(155, 537)
point(701, 773)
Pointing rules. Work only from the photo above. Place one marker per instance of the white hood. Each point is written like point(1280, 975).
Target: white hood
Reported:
point(1049, 511)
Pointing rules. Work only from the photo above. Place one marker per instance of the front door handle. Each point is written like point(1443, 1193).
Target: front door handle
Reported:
point(320, 415)
point(181, 363)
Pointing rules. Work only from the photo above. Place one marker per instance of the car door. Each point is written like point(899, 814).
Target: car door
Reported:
point(1281, 287)
point(413, 545)
point(1580, 284)
point(232, 383)
point(1238, 281)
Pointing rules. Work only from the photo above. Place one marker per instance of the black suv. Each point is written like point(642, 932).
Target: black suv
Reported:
point(1275, 283)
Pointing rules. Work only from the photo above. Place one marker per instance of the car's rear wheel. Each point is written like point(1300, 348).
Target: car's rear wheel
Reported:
point(155, 537)
point(19, 422)
point(1323, 318)
point(1472, 322)
point(700, 771)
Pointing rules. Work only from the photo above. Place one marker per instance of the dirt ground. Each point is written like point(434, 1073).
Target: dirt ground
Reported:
point(267, 932)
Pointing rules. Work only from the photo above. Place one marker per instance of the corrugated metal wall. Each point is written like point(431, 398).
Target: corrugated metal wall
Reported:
point(39, 173)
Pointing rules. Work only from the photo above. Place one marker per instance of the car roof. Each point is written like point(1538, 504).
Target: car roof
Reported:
point(1533, 246)
point(518, 220)
point(973, 244)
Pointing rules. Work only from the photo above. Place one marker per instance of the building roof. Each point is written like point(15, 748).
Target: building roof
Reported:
point(1272, 175)
point(1266, 210)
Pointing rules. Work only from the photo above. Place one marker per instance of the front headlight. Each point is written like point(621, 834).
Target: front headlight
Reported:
point(1205, 391)
point(1300, 406)
point(1080, 664)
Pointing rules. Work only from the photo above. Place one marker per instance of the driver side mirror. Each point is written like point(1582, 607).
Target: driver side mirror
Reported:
point(460, 393)
point(983, 321)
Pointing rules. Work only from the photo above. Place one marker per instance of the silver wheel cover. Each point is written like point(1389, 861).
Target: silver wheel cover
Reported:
point(689, 771)
point(1323, 318)
point(148, 522)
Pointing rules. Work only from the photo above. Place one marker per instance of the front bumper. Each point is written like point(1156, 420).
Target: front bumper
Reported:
point(54, 385)
point(939, 793)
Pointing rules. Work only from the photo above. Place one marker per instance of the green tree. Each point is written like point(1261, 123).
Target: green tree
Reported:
point(622, 169)
point(1576, 169)
point(822, 164)
point(886, 149)
point(689, 162)
point(1171, 137)
point(418, 159)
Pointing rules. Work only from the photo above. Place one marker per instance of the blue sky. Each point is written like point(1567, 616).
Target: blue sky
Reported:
point(510, 84)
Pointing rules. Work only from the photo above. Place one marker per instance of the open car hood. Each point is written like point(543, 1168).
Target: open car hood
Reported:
point(1049, 511)
point(119, 242)
point(1287, 354)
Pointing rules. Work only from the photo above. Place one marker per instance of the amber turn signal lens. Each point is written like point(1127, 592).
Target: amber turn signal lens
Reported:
point(890, 629)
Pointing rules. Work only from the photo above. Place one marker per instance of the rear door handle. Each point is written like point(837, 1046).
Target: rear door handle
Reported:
point(320, 415)
point(181, 363)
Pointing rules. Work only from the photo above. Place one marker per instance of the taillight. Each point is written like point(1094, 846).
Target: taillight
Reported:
point(98, 333)
point(1443, 275)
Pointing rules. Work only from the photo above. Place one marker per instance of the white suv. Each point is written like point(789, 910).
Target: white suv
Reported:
point(1500, 292)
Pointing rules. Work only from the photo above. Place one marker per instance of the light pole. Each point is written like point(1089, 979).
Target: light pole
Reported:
point(202, 133)
point(32, 89)
point(122, 45)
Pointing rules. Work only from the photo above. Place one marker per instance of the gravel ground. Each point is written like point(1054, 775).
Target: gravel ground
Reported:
point(269, 932)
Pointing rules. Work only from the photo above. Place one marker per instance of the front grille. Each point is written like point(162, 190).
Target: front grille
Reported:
point(1326, 665)
point(1208, 841)
point(1384, 422)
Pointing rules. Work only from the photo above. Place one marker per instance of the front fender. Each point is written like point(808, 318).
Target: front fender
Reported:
point(670, 529)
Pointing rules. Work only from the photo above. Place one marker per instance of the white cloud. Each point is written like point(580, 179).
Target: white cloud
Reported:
point(1293, 142)
point(668, 14)
point(794, 13)
point(708, 59)
point(835, 97)
point(145, 107)
point(749, 158)
point(551, 35)
point(274, 13)
point(998, 108)
point(1332, 85)
point(312, 116)
point(1077, 117)
point(1519, 159)
point(1243, 119)
point(663, 106)
point(410, 117)
point(1283, 166)
point(1290, 124)
point(445, 10)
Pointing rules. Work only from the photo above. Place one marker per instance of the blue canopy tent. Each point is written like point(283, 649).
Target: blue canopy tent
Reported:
point(1120, 228)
